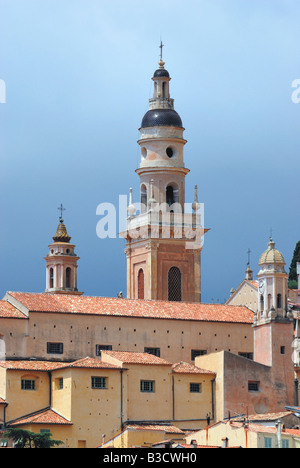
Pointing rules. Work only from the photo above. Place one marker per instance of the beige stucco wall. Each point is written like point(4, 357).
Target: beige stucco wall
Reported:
point(81, 333)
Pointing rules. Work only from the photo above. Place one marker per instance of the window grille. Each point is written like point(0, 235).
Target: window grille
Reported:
point(197, 352)
point(99, 382)
point(253, 386)
point(100, 348)
point(55, 348)
point(27, 384)
point(147, 386)
point(174, 285)
point(195, 388)
point(154, 351)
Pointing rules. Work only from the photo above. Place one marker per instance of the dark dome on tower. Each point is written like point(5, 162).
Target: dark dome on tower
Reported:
point(161, 117)
point(161, 72)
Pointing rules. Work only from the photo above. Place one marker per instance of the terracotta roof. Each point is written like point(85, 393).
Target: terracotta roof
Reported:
point(136, 358)
point(186, 368)
point(90, 363)
point(58, 303)
point(46, 416)
point(155, 427)
point(9, 311)
point(266, 429)
point(43, 366)
point(266, 416)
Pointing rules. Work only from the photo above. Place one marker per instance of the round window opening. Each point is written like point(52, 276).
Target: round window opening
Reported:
point(144, 153)
point(170, 152)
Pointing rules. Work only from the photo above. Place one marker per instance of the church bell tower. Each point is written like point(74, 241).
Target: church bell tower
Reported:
point(164, 241)
point(61, 264)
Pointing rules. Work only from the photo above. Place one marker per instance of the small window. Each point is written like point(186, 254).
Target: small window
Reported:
point(154, 351)
point(268, 442)
point(141, 284)
point(51, 278)
point(99, 382)
point(3, 443)
point(279, 301)
point(55, 348)
point(253, 386)
point(195, 388)
point(68, 277)
point(282, 349)
point(197, 352)
point(100, 348)
point(147, 386)
point(60, 383)
point(174, 285)
point(247, 355)
point(285, 443)
point(27, 384)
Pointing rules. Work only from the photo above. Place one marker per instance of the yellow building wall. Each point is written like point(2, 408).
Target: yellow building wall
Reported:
point(93, 411)
point(191, 409)
point(215, 363)
point(22, 402)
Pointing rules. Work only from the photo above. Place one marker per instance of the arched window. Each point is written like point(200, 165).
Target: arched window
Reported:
point(51, 278)
point(144, 200)
point(269, 301)
point(68, 277)
point(172, 195)
point(279, 301)
point(141, 284)
point(164, 90)
point(174, 284)
point(262, 303)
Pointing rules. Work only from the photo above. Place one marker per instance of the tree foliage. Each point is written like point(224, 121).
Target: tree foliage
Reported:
point(28, 439)
point(293, 277)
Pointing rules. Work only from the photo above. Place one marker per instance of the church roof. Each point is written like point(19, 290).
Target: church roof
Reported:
point(271, 255)
point(61, 233)
point(103, 306)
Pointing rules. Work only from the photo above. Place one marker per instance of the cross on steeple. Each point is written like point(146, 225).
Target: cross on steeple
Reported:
point(249, 254)
point(61, 209)
point(161, 50)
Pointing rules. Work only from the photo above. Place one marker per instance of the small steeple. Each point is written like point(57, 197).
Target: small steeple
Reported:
point(61, 263)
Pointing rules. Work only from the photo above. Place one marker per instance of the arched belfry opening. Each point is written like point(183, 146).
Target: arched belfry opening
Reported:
point(141, 284)
point(174, 285)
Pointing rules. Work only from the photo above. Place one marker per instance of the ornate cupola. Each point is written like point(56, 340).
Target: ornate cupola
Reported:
point(163, 259)
point(273, 323)
point(61, 264)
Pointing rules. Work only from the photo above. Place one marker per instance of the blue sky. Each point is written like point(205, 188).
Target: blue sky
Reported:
point(78, 79)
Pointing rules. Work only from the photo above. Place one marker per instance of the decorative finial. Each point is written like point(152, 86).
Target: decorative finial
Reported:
point(131, 208)
point(61, 209)
point(161, 63)
point(196, 204)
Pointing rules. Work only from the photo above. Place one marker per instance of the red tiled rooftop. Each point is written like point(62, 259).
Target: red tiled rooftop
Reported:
point(186, 368)
point(31, 365)
point(58, 303)
point(91, 363)
point(47, 416)
point(155, 427)
point(9, 311)
point(136, 358)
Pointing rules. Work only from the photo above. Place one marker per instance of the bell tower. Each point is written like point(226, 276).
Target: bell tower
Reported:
point(273, 323)
point(61, 264)
point(164, 241)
